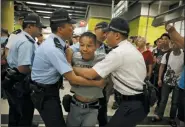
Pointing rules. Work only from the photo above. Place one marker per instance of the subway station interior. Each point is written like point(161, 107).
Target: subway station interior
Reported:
point(147, 21)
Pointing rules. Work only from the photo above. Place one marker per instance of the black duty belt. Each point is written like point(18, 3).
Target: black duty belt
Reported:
point(137, 97)
point(93, 105)
point(47, 88)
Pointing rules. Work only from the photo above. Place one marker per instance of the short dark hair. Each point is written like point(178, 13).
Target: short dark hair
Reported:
point(166, 35)
point(54, 27)
point(155, 42)
point(90, 35)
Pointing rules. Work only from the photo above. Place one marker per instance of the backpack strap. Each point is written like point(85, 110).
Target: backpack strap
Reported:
point(167, 57)
point(137, 90)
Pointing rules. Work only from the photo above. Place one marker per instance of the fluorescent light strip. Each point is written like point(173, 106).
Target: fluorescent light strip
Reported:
point(46, 17)
point(35, 3)
point(64, 6)
point(44, 11)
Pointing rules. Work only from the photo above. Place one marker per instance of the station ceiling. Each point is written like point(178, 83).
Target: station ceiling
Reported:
point(76, 8)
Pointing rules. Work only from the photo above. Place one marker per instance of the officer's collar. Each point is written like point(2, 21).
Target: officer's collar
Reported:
point(29, 36)
point(122, 42)
point(59, 38)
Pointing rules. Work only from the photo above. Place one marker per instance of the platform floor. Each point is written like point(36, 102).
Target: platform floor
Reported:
point(146, 123)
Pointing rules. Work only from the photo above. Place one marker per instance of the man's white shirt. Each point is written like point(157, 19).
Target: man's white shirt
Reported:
point(127, 64)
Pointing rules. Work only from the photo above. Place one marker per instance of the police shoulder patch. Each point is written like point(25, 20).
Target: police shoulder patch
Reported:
point(58, 44)
point(16, 31)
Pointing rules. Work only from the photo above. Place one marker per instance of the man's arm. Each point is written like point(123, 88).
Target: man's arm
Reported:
point(69, 52)
point(78, 80)
point(88, 73)
point(25, 54)
point(6, 52)
point(161, 71)
point(24, 69)
point(150, 67)
point(175, 36)
point(102, 68)
point(69, 55)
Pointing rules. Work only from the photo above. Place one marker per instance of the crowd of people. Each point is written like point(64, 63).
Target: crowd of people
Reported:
point(96, 64)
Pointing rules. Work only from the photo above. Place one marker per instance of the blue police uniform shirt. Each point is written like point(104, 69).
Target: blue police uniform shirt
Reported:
point(50, 62)
point(181, 82)
point(76, 47)
point(21, 51)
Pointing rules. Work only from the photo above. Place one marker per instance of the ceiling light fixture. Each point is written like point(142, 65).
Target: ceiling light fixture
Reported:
point(35, 3)
point(64, 6)
point(44, 11)
point(46, 17)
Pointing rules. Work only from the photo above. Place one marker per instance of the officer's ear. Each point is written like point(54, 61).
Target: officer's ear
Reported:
point(61, 28)
point(117, 36)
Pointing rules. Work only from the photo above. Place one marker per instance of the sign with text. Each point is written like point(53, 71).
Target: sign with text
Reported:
point(120, 8)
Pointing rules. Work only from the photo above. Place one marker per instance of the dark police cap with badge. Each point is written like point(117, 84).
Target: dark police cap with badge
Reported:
point(119, 25)
point(33, 19)
point(102, 25)
point(61, 16)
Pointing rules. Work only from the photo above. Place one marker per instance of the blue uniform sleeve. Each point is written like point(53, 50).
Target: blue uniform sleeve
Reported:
point(75, 47)
point(25, 53)
point(59, 61)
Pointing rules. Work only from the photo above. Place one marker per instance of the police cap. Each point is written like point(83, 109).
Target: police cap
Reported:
point(33, 19)
point(61, 16)
point(119, 25)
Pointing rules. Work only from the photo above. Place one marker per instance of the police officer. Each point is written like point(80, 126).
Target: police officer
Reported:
point(20, 59)
point(14, 33)
point(128, 71)
point(48, 66)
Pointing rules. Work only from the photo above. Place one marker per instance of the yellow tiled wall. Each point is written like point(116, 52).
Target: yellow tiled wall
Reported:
point(152, 32)
point(134, 27)
point(7, 15)
point(138, 28)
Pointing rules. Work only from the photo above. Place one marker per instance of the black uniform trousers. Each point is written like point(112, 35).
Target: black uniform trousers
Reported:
point(129, 114)
point(102, 112)
point(20, 112)
point(51, 111)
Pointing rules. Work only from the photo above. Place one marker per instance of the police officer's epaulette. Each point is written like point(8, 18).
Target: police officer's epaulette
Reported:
point(29, 39)
point(58, 44)
point(17, 31)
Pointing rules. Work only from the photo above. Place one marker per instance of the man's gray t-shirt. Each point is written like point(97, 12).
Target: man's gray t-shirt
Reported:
point(89, 92)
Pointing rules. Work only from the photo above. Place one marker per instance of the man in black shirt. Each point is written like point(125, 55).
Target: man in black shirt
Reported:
point(165, 44)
